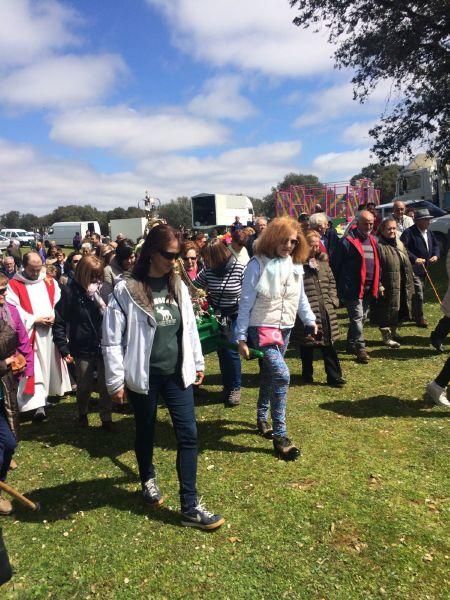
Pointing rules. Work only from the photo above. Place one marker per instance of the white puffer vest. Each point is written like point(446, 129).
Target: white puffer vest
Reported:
point(277, 312)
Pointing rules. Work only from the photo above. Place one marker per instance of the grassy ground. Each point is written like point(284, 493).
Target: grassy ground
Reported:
point(362, 514)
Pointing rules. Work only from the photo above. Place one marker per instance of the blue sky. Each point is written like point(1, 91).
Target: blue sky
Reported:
point(101, 100)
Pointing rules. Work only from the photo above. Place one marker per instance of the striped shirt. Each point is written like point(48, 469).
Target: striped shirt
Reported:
point(224, 290)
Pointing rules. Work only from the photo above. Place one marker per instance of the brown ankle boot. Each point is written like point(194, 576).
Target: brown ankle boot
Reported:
point(285, 449)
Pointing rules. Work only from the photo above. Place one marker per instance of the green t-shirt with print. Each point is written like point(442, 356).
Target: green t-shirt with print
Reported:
point(166, 350)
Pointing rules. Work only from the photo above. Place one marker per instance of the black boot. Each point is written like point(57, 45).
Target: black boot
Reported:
point(285, 449)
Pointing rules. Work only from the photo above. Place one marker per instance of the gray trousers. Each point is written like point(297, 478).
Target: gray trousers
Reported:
point(84, 371)
point(357, 313)
point(417, 299)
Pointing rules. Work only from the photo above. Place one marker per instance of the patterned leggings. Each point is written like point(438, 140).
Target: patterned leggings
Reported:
point(274, 382)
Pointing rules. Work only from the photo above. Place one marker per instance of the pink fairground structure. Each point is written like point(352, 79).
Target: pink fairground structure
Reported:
point(338, 199)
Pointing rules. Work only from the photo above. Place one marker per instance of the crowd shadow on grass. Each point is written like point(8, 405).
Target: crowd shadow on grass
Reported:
point(63, 501)
point(384, 406)
point(402, 353)
point(61, 430)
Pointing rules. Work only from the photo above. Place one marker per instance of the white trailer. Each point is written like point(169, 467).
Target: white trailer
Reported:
point(132, 229)
point(220, 210)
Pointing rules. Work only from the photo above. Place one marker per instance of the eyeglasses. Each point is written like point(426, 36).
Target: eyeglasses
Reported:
point(169, 255)
point(75, 262)
point(194, 258)
point(2, 291)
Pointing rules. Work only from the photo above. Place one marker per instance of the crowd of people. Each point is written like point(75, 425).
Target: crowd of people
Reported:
point(119, 319)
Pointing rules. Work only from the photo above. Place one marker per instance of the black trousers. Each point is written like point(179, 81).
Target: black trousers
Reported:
point(444, 376)
point(330, 360)
point(442, 329)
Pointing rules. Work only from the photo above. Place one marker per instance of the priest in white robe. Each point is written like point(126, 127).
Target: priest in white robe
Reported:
point(34, 295)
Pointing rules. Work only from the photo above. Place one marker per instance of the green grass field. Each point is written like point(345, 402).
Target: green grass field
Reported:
point(362, 514)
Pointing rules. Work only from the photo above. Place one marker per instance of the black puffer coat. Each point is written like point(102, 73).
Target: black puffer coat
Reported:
point(78, 323)
point(320, 288)
point(397, 285)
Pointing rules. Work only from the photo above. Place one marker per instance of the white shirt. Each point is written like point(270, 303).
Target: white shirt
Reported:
point(425, 237)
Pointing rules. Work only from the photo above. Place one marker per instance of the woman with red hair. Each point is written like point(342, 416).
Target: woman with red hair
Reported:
point(272, 296)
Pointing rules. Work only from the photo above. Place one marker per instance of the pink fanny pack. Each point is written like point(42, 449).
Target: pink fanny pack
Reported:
point(270, 336)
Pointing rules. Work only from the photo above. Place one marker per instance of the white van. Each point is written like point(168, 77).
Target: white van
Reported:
point(213, 210)
point(18, 234)
point(64, 232)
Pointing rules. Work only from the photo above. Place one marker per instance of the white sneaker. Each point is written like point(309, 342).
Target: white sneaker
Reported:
point(392, 344)
point(437, 394)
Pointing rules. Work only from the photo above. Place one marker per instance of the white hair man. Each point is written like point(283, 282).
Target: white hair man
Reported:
point(403, 221)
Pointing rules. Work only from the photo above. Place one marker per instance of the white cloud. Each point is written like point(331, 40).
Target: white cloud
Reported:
point(221, 99)
point(63, 81)
point(247, 35)
point(340, 166)
point(336, 101)
point(358, 133)
point(37, 183)
point(30, 29)
point(251, 170)
point(135, 134)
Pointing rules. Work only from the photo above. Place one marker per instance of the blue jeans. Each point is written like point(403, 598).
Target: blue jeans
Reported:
point(357, 313)
point(180, 403)
point(230, 363)
point(274, 382)
point(7, 444)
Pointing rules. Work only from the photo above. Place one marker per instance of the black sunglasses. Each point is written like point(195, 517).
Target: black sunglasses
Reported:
point(3, 290)
point(169, 255)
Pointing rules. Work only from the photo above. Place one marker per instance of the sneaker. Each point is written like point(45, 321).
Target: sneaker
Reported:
point(151, 493)
point(199, 517)
point(437, 394)
point(233, 397)
point(437, 343)
point(362, 356)
point(6, 507)
point(391, 343)
point(39, 415)
point(285, 449)
point(264, 429)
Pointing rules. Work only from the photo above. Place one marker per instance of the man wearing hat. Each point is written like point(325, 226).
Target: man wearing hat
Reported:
point(423, 250)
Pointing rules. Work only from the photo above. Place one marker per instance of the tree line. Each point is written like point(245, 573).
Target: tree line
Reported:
point(178, 211)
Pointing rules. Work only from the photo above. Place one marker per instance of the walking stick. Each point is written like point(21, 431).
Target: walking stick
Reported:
point(15, 494)
point(431, 283)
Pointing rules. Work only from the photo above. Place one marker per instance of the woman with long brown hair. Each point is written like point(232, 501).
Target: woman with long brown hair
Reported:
point(77, 335)
point(272, 295)
point(151, 346)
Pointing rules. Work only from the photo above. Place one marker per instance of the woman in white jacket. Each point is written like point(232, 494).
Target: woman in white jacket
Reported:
point(151, 346)
point(272, 295)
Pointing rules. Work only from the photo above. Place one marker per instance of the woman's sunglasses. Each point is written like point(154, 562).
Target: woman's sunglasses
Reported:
point(169, 255)
point(2, 291)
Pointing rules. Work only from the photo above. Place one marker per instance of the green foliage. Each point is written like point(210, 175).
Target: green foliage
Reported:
point(383, 177)
point(177, 212)
point(268, 202)
point(404, 42)
point(71, 212)
point(11, 220)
